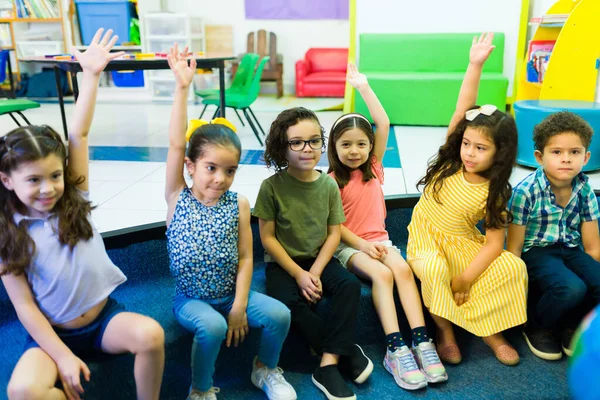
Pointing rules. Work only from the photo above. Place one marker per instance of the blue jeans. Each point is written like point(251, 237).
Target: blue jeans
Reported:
point(207, 320)
point(565, 278)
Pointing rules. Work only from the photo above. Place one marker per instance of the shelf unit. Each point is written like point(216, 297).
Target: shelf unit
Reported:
point(572, 70)
point(160, 31)
point(37, 47)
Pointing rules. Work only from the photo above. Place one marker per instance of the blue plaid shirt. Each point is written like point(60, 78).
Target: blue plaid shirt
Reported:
point(534, 204)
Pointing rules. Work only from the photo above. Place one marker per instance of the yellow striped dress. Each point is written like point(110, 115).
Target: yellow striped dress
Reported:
point(442, 242)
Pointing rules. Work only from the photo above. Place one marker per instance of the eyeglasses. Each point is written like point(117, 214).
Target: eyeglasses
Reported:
point(300, 145)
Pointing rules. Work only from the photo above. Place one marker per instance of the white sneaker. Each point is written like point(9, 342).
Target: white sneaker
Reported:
point(402, 365)
point(211, 394)
point(272, 382)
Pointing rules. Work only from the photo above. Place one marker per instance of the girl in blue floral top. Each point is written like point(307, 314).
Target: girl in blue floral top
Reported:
point(209, 240)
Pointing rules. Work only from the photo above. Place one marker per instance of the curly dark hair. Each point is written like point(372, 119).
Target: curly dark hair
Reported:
point(276, 143)
point(340, 126)
point(561, 122)
point(212, 135)
point(27, 144)
point(500, 128)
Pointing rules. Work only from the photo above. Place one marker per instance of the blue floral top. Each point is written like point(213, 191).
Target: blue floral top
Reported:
point(203, 246)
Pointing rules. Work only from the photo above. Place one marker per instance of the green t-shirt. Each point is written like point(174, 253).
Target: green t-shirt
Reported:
point(301, 211)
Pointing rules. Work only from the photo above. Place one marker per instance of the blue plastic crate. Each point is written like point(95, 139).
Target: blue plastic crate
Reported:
point(108, 14)
point(128, 78)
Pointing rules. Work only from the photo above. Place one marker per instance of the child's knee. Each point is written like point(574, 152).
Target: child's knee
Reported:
point(213, 330)
point(280, 317)
point(435, 271)
point(572, 293)
point(403, 271)
point(26, 391)
point(383, 276)
point(150, 336)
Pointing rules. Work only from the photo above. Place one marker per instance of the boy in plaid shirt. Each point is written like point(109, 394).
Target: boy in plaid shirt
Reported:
point(555, 231)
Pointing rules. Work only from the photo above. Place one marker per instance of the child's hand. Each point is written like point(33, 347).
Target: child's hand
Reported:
point(355, 78)
point(374, 250)
point(184, 74)
point(310, 286)
point(481, 49)
point(69, 371)
point(98, 54)
point(237, 323)
point(460, 288)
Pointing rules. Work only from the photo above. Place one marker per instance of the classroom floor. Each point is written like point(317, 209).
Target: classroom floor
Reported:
point(129, 145)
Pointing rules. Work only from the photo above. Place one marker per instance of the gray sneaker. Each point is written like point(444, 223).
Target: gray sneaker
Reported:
point(429, 362)
point(211, 394)
point(402, 365)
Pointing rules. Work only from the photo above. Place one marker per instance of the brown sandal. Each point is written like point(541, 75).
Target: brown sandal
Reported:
point(506, 354)
point(450, 354)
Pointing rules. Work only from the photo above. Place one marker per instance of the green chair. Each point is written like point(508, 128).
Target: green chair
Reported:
point(15, 106)
point(243, 100)
point(11, 105)
point(241, 81)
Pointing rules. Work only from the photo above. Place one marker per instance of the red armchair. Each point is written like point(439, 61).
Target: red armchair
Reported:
point(322, 73)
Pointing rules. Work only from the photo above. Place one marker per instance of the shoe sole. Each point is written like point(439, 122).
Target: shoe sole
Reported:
point(367, 371)
point(270, 397)
point(568, 352)
point(437, 379)
point(541, 354)
point(329, 395)
point(401, 383)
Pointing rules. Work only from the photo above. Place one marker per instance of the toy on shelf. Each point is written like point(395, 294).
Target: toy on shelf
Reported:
point(539, 55)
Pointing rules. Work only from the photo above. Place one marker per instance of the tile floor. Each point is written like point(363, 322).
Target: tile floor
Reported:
point(129, 193)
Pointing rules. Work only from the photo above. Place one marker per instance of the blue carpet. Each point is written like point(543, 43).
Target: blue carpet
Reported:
point(249, 157)
point(149, 288)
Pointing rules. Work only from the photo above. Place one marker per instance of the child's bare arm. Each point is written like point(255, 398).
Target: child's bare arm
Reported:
point(327, 250)
point(591, 238)
point(480, 51)
point(516, 238)
point(69, 366)
point(92, 61)
point(382, 122)
point(184, 75)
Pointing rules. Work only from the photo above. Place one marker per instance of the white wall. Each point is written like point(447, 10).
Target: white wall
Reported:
point(294, 37)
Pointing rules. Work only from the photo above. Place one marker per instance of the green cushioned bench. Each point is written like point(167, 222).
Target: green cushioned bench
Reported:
point(417, 77)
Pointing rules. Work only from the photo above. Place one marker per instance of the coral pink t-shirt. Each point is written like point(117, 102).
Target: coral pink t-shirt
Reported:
point(364, 205)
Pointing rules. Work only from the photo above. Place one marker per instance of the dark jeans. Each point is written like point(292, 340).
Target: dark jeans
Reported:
point(564, 285)
point(334, 335)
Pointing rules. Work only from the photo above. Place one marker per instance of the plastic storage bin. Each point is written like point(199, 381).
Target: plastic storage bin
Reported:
point(128, 78)
point(108, 14)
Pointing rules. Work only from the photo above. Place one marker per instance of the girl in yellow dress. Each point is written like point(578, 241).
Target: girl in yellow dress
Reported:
point(467, 278)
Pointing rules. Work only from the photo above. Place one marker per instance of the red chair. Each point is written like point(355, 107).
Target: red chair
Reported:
point(322, 73)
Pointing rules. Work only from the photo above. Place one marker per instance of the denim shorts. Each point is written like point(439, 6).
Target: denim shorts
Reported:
point(343, 253)
point(87, 339)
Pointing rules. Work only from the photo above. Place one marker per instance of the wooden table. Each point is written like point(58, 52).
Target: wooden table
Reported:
point(208, 60)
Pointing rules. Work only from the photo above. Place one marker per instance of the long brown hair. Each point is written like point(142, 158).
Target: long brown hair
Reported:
point(502, 130)
point(28, 144)
point(340, 126)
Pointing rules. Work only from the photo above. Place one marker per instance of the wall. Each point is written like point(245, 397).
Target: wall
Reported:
point(294, 37)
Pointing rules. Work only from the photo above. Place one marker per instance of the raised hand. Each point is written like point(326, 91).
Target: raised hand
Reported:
point(98, 54)
point(481, 48)
point(183, 73)
point(355, 78)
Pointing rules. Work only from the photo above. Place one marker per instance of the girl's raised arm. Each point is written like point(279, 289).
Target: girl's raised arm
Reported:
point(382, 122)
point(92, 62)
point(184, 75)
point(480, 51)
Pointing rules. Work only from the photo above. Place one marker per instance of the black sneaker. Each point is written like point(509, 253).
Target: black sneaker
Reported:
point(357, 365)
point(331, 383)
point(566, 341)
point(542, 343)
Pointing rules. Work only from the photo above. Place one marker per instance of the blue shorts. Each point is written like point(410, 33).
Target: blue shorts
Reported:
point(88, 339)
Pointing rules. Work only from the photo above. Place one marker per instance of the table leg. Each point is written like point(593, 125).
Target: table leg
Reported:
point(75, 85)
point(61, 101)
point(222, 87)
point(11, 78)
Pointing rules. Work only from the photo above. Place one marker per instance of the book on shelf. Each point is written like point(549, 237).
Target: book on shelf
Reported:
point(538, 59)
point(40, 9)
point(550, 19)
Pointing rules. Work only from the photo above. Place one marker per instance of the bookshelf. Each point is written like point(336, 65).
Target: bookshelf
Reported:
point(20, 22)
point(571, 72)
